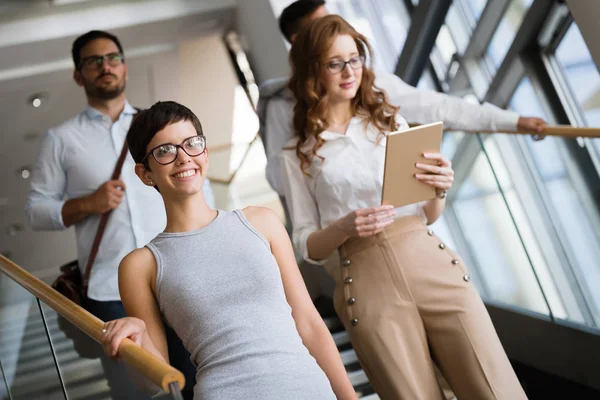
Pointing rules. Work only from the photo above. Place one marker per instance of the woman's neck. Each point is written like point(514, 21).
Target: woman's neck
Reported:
point(188, 214)
point(339, 116)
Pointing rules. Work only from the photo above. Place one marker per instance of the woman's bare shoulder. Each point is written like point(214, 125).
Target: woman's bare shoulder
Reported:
point(265, 220)
point(139, 261)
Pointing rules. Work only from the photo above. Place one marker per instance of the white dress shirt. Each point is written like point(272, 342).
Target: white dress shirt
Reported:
point(75, 159)
point(418, 106)
point(350, 178)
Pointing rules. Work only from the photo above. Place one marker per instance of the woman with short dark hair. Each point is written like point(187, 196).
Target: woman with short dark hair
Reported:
point(227, 282)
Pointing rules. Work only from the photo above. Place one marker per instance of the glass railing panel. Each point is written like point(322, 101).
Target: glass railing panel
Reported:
point(487, 220)
point(573, 225)
point(563, 179)
point(96, 377)
point(4, 392)
point(83, 377)
point(28, 365)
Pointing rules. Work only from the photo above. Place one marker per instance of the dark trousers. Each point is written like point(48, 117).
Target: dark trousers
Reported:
point(120, 384)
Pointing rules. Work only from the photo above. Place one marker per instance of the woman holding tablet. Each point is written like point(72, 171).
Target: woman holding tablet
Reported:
point(403, 296)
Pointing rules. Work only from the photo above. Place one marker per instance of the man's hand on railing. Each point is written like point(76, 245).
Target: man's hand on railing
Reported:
point(115, 331)
point(532, 124)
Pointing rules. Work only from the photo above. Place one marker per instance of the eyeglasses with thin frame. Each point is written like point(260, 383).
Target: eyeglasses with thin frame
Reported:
point(167, 153)
point(337, 66)
point(94, 62)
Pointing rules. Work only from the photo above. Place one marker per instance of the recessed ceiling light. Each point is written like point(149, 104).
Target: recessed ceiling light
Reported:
point(24, 172)
point(37, 99)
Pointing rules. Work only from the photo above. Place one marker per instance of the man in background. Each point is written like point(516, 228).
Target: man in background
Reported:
point(71, 186)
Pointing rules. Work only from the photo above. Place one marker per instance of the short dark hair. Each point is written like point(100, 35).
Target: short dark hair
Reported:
point(84, 39)
point(148, 122)
point(291, 17)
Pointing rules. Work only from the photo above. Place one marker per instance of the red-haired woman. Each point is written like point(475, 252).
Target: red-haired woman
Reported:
point(403, 296)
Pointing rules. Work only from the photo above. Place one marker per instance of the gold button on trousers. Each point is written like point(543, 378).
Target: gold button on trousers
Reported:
point(405, 298)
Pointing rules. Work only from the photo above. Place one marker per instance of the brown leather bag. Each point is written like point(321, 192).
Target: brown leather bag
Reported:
point(73, 286)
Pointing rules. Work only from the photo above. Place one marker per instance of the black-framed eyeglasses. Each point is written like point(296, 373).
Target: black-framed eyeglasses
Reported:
point(337, 66)
point(94, 62)
point(167, 153)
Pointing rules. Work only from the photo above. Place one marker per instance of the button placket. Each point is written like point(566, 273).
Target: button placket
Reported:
point(350, 300)
point(455, 262)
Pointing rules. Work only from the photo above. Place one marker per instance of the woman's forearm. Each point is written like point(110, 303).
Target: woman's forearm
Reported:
point(433, 209)
point(322, 243)
point(321, 346)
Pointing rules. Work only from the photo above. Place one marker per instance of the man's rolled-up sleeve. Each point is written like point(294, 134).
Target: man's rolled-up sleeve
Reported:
point(48, 181)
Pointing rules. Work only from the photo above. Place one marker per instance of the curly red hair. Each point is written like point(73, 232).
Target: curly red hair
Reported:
point(308, 60)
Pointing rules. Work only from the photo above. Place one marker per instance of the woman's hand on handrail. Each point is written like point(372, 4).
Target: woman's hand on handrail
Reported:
point(115, 331)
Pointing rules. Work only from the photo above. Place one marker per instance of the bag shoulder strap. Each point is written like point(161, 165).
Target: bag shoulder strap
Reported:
point(104, 219)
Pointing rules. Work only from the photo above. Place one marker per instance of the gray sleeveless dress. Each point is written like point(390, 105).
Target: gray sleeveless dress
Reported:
point(220, 289)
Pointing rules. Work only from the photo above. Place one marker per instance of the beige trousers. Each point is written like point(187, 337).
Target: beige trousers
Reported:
point(405, 298)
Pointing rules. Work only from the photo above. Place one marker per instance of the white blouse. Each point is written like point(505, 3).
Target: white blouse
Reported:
point(348, 179)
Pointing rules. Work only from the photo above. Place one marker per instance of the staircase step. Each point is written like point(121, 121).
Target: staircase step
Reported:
point(358, 378)
point(334, 324)
point(341, 338)
point(348, 357)
point(46, 381)
point(371, 397)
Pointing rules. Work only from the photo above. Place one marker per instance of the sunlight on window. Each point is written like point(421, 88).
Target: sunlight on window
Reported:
point(581, 73)
point(507, 30)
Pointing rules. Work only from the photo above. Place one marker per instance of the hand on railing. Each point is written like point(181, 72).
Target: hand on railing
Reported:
point(115, 331)
point(154, 369)
point(566, 131)
point(532, 124)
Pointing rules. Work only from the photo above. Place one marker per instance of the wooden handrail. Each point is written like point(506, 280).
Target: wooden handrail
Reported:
point(157, 371)
point(566, 131)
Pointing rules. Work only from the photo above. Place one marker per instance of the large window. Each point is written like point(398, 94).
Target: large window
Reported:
point(565, 197)
point(476, 7)
point(506, 31)
point(492, 218)
point(581, 73)
point(524, 213)
point(384, 22)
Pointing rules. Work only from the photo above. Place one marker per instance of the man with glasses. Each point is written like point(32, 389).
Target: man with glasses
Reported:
point(71, 185)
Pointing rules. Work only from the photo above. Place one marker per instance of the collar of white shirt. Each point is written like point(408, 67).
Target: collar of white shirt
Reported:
point(371, 132)
point(354, 128)
point(92, 113)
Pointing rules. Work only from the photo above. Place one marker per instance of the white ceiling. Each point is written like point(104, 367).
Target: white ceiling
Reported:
point(35, 43)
